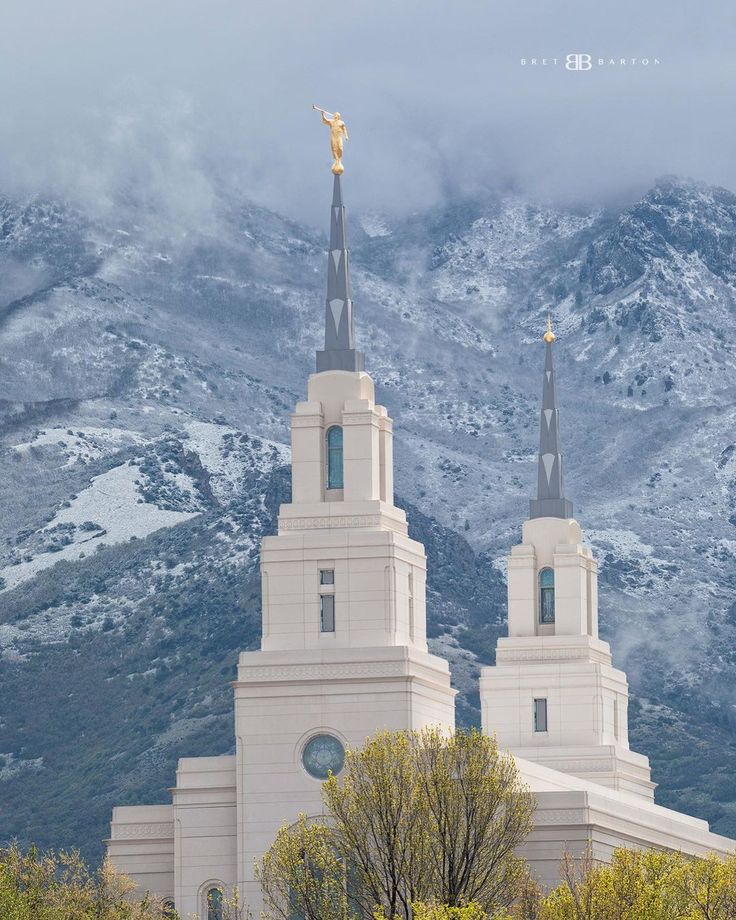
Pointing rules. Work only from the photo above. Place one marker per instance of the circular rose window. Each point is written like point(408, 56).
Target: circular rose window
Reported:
point(322, 755)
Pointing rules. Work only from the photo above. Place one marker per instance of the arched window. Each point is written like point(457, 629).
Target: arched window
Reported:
point(214, 904)
point(169, 908)
point(334, 458)
point(546, 596)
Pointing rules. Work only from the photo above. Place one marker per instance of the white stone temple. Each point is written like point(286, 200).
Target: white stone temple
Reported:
point(344, 654)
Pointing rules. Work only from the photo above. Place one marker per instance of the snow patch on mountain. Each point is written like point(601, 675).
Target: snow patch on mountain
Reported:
point(228, 455)
point(480, 264)
point(110, 511)
point(81, 445)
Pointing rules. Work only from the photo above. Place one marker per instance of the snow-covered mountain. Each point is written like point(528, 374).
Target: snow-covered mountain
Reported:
point(146, 380)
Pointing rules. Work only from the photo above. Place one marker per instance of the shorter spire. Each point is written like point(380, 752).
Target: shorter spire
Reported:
point(340, 353)
point(550, 500)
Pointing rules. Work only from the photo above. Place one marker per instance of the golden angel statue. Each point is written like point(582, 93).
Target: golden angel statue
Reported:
point(338, 134)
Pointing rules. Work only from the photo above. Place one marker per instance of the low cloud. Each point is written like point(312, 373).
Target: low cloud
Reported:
point(162, 104)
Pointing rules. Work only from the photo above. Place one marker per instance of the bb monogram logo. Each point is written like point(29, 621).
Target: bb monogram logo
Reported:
point(577, 61)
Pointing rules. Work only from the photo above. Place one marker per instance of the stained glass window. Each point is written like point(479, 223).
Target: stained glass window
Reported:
point(334, 458)
point(214, 904)
point(546, 596)
point(322, 755)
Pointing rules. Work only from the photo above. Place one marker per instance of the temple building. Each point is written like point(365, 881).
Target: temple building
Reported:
point(344, 654)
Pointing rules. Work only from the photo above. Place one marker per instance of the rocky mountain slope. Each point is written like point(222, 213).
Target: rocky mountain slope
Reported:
point(146, 379)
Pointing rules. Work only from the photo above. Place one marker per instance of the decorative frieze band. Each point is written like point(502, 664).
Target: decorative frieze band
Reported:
point(319, 671)
point(135, 831)
point(374, 521)
point(320, 523)
point(559, 816)
point(579, 766)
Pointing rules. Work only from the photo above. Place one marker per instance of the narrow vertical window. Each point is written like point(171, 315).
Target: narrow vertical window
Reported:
point(327, 576)
point(214, 904)
point(546, 596)
point(327, 613)
point(334, 458)
point(540, 715)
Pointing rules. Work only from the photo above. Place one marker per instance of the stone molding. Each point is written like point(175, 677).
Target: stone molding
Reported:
point(319, 671)
point(134, 831)
point(307, 419)
point(556, 816)
point(321, 523)
point(580, 766)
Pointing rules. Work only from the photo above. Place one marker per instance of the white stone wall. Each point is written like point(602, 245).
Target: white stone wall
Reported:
point(141, 845)
point(204, 804)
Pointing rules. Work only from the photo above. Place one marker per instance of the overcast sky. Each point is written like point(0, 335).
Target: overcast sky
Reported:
point(156, 98)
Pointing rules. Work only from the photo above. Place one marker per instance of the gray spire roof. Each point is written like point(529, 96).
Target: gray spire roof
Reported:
point(340, 353)
point(550, 500)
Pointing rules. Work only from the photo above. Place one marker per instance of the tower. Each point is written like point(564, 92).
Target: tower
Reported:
point(553, 696)
point(344, 647)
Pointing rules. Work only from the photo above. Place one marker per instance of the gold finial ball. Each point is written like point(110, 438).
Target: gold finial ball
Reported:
point(549, 336)
point(338, 169)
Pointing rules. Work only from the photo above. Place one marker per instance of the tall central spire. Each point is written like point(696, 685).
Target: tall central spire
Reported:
point(550, 500)
point(340, 353)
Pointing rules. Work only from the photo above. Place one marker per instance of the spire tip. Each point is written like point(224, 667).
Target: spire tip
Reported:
point(549, 335)
point(550, 500)
point(339, 353)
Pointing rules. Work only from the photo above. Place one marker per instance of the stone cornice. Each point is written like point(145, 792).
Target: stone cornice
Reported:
point(302, 673)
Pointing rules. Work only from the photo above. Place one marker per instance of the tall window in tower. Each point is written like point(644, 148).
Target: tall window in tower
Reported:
point(327, 613)
point(546, 596)
point(327, 600)
point(334, 458)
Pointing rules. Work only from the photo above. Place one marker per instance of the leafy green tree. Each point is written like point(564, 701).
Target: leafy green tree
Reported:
point(379, 824)
point(637, 886)
point(427, 816)
point(302, 875)
point(435, 911)
point(418, 817)
point(709, 887)
point(59, 886)
point(477, 812)
point(644, 885)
